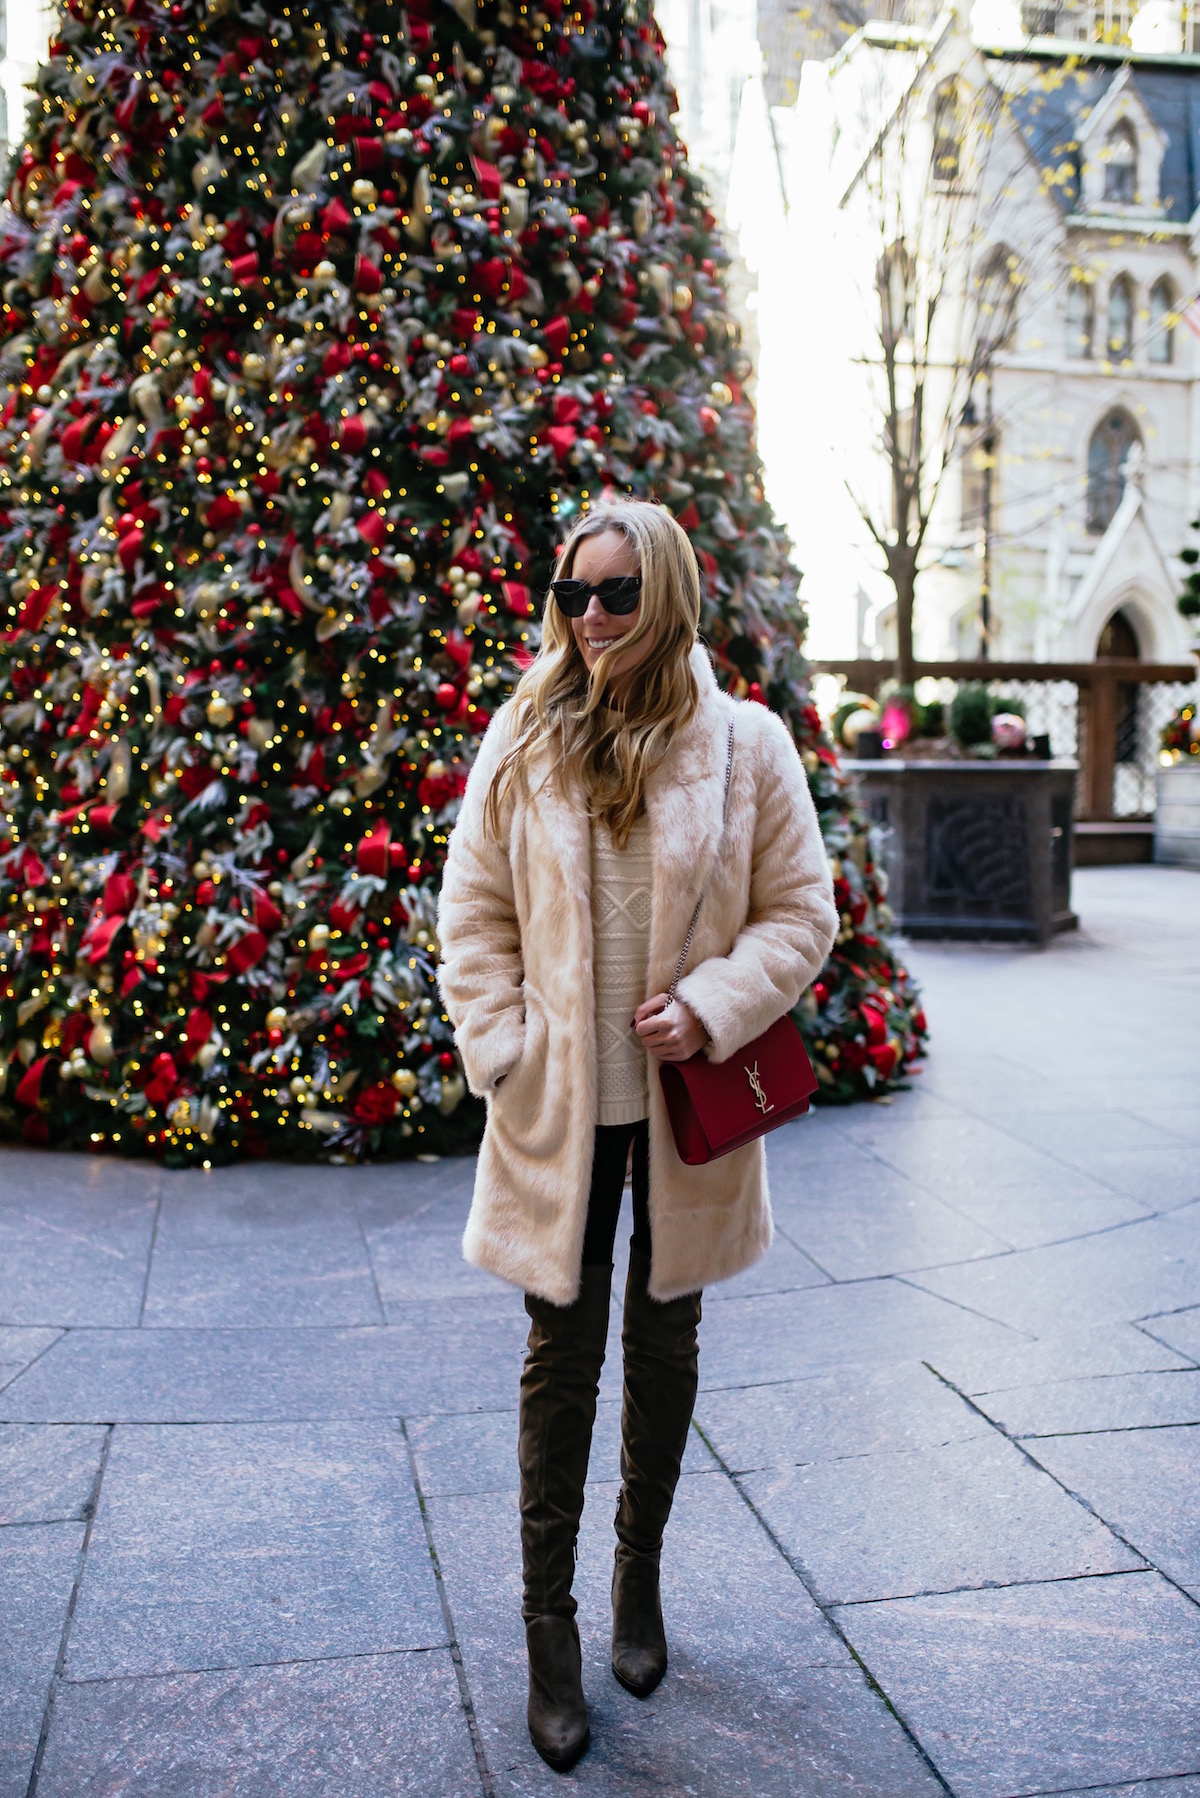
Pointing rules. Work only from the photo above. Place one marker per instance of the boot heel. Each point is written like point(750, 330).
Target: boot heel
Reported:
point(557, 1711)
point(639, 1647)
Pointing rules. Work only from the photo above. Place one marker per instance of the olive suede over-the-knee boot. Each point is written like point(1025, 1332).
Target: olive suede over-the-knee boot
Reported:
point(558, 1408)
point(661, 1373)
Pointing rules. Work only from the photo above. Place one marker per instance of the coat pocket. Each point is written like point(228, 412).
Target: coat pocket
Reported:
point(530, 1107)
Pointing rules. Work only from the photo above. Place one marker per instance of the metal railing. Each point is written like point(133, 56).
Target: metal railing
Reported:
point(1106, 714)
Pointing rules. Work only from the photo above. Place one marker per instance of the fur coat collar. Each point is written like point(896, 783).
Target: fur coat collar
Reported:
point(684, 796)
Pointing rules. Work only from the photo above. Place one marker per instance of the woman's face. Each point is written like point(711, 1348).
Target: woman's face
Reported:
point(607, 553)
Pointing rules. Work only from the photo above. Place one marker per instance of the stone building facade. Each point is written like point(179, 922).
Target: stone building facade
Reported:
point(1075, 469)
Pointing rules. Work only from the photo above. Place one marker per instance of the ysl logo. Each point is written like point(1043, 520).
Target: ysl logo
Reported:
point(760, 1097)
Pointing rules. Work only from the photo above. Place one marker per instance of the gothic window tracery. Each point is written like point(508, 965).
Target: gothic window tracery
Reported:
point(1160, 337)
point(1108, 454)
point(1120, 319)
point(1079, 319)
point(1120, 165)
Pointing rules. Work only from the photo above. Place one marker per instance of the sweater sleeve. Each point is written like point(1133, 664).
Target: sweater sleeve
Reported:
point(792, 920)
point(481, 974)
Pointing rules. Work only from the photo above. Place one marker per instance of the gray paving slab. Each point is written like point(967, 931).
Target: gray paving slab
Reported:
point(386, 1191)
point(1136, 1271)
point(853, 1411)
point(975, 1082)
point(1180, 1330)
point(1014, 1190)
point(917, 1100)
point(225, 1544)
point(419, 1258)
point(458, 1456)
point(19, 1347)
point(429, 1361)
point(1116, 1402)
point(757, 1340)
point(884, 1224)
point(1043, 1688)
point(1186, 1786)
point(760, 1696)
point(1090, 1133)
point(257, 1202)
point(1143, 1483)
point(48, 1471)
point(1178, 1120)
point(1160, 1178)
point(355, 1728)
point(257, 1245)
point(972, 1513)
point(784, 1268)
point(304, 1282)
point(1082, 1354)
point(1120, 1148)
point(75, 1235)
point(37, 1571)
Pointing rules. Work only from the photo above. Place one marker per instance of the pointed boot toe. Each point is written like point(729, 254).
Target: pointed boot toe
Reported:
point(557, 1713)
point(639, 1646)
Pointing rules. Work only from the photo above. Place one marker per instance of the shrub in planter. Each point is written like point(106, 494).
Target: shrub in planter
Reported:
point(929, 720)
point(971, 715)
point(971, 712)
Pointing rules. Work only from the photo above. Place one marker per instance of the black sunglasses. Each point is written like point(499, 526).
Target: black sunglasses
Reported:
point(619, 595)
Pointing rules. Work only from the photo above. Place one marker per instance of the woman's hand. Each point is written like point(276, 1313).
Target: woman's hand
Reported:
point(668, 1029)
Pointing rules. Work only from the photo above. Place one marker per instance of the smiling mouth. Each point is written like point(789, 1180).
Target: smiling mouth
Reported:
point(601, 643)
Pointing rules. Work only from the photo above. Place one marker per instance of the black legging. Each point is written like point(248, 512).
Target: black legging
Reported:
point(609, 1158)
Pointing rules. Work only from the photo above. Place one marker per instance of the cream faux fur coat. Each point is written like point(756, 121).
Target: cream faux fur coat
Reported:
point(515, 924)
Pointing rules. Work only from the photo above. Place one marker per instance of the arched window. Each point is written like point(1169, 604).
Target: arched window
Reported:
point(1160, 339)
point(1120, 165)
point(1079, 318)
point(999, 281)
point(1111, 443)
point(1119, 640)
point(1120, 319)
point(947, 134)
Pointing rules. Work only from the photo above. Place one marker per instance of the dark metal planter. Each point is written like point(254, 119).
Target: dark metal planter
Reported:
point(975, 849)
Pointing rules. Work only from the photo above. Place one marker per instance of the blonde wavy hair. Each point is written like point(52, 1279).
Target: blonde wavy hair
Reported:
point(611, 748)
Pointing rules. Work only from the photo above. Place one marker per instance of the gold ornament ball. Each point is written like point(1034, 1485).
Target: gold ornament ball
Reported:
point(862, 719)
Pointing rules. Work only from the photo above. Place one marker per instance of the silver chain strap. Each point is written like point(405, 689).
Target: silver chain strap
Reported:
point(700, 901)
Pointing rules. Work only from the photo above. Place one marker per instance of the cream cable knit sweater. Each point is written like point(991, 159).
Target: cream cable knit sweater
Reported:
point(621, 899)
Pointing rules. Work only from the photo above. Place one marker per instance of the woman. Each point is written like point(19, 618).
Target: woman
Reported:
point(592, 822)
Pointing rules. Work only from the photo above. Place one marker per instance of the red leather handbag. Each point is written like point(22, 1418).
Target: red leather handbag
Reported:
point(716, 1106)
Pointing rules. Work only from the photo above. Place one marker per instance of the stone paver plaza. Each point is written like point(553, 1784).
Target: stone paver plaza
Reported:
point(937, 1530)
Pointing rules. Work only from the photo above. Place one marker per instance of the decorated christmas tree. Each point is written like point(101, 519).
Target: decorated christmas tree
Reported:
point(319, 323)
